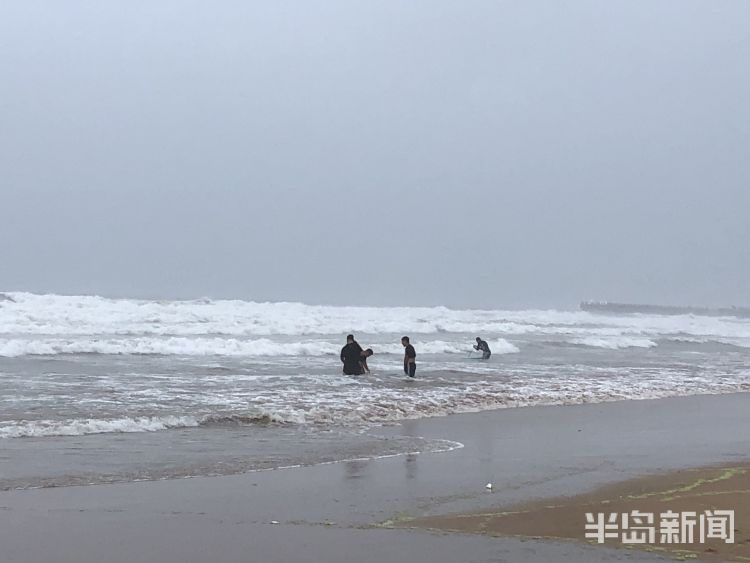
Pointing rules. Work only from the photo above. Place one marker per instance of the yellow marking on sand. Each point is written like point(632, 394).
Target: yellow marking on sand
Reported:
point(727, 473)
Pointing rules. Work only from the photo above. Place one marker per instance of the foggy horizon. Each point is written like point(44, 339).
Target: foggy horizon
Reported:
point(573, 306)
point(492, 155)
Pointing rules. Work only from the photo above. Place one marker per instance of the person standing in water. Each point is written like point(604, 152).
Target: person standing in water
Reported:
point(410, 357)
point(351, 355)
point(363, 360)
point(482, 346)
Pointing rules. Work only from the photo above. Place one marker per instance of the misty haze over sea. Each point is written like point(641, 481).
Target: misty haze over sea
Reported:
point(491, 155)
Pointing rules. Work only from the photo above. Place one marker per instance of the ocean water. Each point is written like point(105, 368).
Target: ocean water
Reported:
point(99, 390)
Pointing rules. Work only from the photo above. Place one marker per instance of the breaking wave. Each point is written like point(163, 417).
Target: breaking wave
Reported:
point(615, 343)
point(52, 324)
point(366, 406)
point(230, 347)
point(27, 314)
point(539, 358)
point(179, 346)
point(81, 427)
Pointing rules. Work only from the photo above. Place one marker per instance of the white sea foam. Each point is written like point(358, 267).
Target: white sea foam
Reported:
point(52, 324)
point(615, 343)
point(236, 362)
point(180, 346)
point(230, 347)
point(80, 427)
point(498, 346)
point(55, 315)
point(371, 404)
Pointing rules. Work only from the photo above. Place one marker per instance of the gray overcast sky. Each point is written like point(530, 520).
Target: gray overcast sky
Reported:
point(526, 153)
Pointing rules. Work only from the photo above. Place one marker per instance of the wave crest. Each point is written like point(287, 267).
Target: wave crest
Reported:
point(615, 343)
point(80, 427)
point(176, 346)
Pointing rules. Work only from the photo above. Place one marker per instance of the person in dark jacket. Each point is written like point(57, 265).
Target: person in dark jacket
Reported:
point(351, 355)
point(483, 347)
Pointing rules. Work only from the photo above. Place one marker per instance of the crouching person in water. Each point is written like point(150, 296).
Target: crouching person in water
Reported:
point(482, 346)
point(363, 360)
point(410, 357)
point(351, 355)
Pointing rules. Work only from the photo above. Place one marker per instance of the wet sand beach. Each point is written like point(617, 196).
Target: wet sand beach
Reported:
point(685, 497)
point(346, 511)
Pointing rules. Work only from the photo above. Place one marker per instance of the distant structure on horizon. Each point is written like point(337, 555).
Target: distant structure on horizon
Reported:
point(627, 308)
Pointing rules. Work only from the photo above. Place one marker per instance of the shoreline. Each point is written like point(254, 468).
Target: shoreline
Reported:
point(664, 513)
point(329, 512)
point(382, 432)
